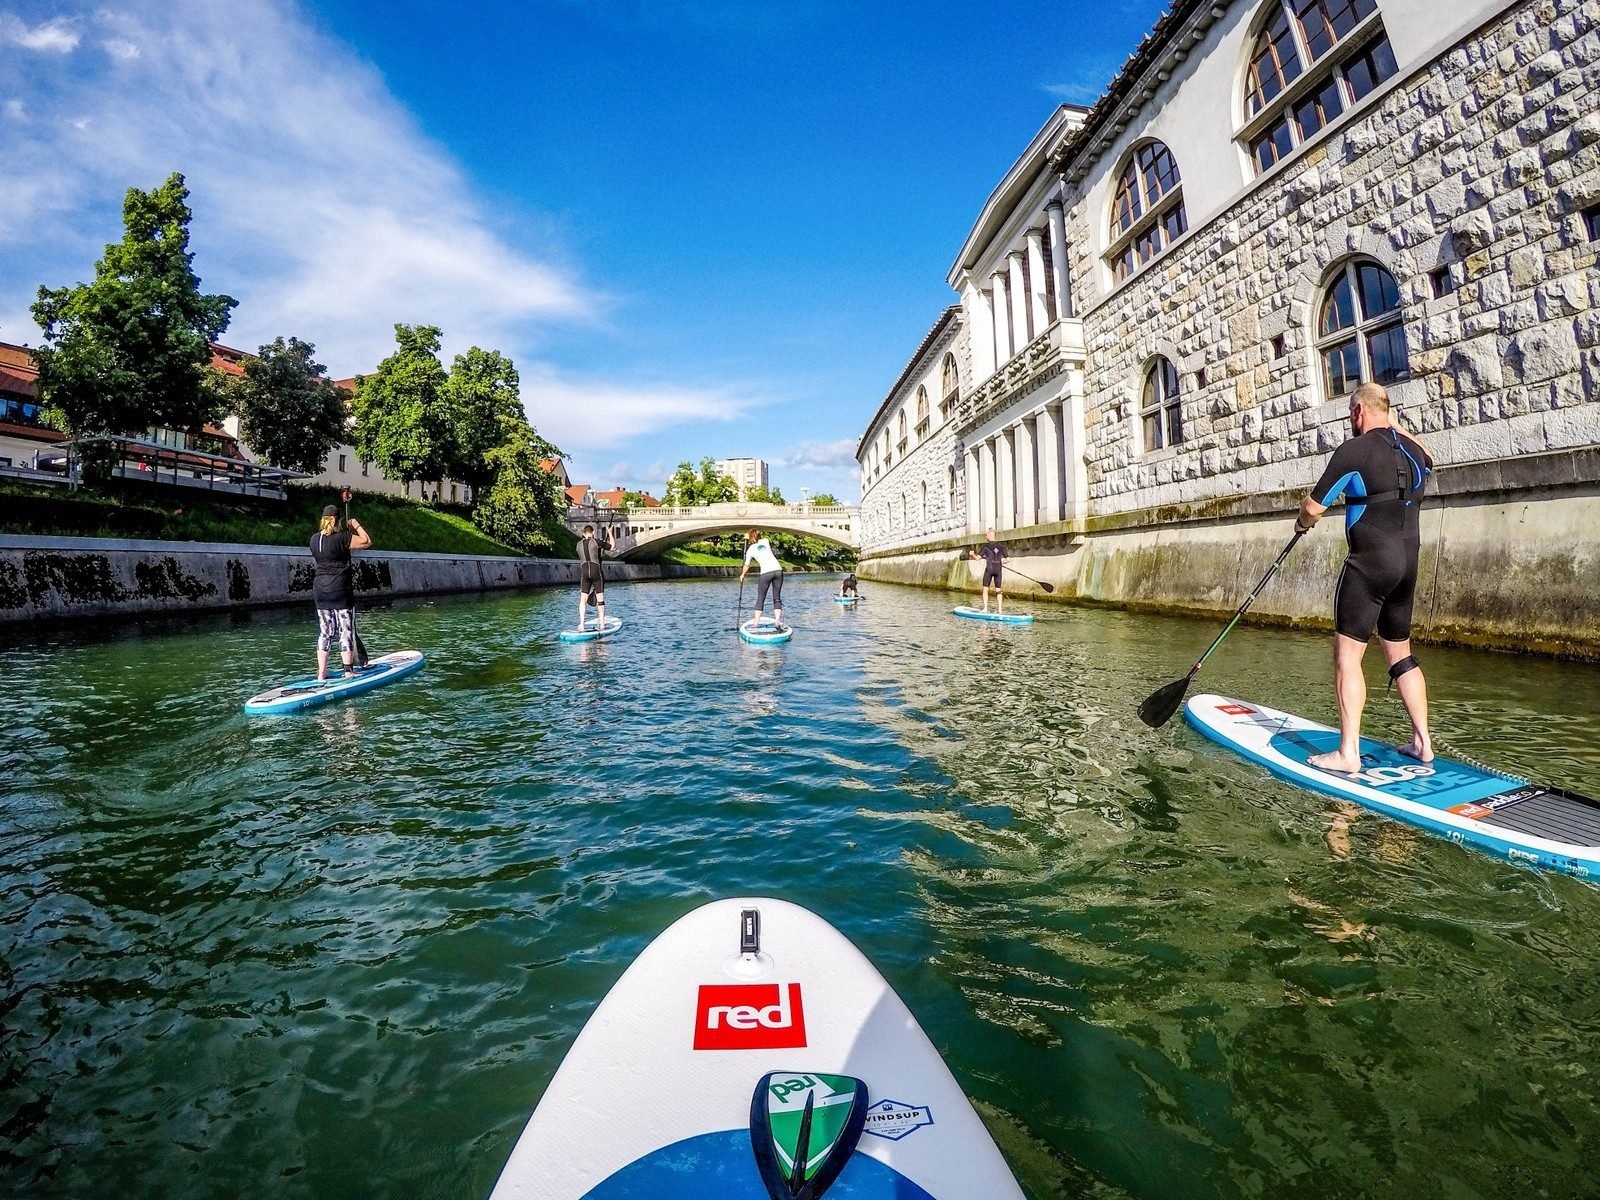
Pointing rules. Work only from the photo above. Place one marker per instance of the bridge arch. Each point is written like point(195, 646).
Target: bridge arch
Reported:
point(645, 533)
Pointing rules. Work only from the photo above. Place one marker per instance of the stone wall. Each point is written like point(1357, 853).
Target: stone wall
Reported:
point(1481, 163)
point(54, 578)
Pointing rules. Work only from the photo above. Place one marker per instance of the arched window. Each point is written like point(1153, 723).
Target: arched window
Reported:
point(1147, 212)
point(1361, 333)
point(949, 388)
point(1162, 407)
point(924, 422)
point(922, 510)
point(949, 491)
point(900, 439)
point(1312, 60)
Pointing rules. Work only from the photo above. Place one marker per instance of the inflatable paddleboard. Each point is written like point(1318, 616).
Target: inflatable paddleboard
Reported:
point(589, 634)
point(845, 599)
point(1525, 822)
point(749, 1044)
point(306, 693)
point(977, 614)
point(764, 633)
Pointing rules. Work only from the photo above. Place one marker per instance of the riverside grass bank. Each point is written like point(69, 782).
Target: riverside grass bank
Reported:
point(1165, 302)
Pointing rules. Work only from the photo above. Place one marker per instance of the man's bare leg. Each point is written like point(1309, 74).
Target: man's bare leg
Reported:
point(1414, 695)
point(999, 599)
point(322, 663)
point(986, 597)
point(583, 610)
point(1351, 686)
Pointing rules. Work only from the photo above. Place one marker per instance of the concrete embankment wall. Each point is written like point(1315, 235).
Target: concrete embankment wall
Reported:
point(1504, 564)
point(54, 578)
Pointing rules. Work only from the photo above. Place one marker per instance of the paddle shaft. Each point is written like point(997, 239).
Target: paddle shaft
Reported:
point(1248, 601)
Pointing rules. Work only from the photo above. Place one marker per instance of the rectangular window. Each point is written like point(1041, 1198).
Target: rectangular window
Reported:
point(1280, 346)
point(1273, 145)
point(1174, 422)
point(1152, 430)
point(1123, 267)
point(1591, 223)
point(1200, 379)
point(1369, 66)
point(1175, 223)
point(1148, 244)
point(1443, 281)
point(341, 464)
point(1317, 109)
point(365, 466)
point(1387, 351)
point(1343, 369)
point(922, 428)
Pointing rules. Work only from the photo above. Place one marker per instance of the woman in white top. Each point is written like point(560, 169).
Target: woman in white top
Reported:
point(769, 574)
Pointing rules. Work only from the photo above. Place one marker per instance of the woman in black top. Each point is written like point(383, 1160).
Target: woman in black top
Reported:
point(335, 588)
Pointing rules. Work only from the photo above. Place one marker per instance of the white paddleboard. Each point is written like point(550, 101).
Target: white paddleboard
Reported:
point(654, 1100)
point(306, 693)
point(590, 632)
point(764, 633)
point(1525, 822)
point(977, 614)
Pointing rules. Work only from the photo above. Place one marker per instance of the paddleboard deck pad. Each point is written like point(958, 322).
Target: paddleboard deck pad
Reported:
point(730, 1053)
point(1525, 822)
point(764, 633)
point(977, 614)
point(589, 634)
point(306, 693)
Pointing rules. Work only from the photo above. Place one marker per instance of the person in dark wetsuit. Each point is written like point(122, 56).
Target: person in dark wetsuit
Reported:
point(334, 588)
point(993, 554)
point(591, 577)
point(847, 585)
point(1380, 473)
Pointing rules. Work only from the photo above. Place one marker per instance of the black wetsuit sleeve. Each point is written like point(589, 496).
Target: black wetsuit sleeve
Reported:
point(1342, 468)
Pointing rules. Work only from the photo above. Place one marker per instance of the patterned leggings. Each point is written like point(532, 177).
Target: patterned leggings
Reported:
point(336, 625)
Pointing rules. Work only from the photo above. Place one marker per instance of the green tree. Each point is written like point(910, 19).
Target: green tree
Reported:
point(130, 351)
point(688, 488)
point(402, 412)
point(523, 498)
point(483, 394)
point(289, 413)
point(763, 495)
point(825, 498)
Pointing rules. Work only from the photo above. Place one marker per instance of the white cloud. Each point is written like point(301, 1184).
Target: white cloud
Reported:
point(121, 48)
point(15, 110)
point(53, 37)
point(1076, 93)
point(580, 415)
point(318, 202)
point(822, 456)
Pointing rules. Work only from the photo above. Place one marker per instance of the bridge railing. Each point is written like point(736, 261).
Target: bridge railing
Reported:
point(717, 512)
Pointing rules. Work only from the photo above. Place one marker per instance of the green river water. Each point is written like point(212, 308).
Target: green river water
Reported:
point(341, 954)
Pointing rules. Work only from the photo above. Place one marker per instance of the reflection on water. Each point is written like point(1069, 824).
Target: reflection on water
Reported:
point(341, 954)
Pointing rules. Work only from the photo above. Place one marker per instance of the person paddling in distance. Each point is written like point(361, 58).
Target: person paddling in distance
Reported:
point(993, 554)
point(591, 576)
point(1380, 472)
point(769, 575)
point(334, 588)
point(848, 585)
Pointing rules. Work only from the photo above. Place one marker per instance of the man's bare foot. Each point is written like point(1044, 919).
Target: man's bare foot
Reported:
point(1420, 749)
point(1334, 760)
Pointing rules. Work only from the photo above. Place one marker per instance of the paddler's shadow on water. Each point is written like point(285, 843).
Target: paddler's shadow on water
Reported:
point(1395, 843)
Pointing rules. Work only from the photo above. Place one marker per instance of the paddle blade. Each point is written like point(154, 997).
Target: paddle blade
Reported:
point(1047, 588)
point(1159, 705)
point(803, 1129)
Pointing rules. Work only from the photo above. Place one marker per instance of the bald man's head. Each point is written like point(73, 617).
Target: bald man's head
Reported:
point(1372, 397)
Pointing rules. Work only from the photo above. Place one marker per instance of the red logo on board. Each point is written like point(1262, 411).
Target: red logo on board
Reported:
point(749, 1016)
point(1235, 710)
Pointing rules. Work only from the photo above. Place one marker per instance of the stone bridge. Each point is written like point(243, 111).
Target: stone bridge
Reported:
point(645, 532)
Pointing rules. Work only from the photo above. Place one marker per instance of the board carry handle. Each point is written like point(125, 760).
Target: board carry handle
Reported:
point(750, 931)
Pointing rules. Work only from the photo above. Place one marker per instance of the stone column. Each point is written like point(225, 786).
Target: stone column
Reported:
point(1027, 474)
point(1058, 259)
point(980, 324)
point(1021, 335)
point(1049, 431)
point(1006, 476)
point(974, 509)
point(1075, 483)
point(1038, 294)
point(985, 485)
point(1003, 349)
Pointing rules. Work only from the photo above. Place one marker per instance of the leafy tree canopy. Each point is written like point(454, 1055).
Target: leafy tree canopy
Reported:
point(289, 413)
point(763, 495)
point(523, 498)
point(130, 351)
point(483, 395)
point(688, 488)
point(403, 414)
point(827, 498)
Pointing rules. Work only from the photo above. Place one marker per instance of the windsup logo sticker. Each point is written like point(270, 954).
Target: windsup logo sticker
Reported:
point(894, 1120)
point(749, 1016)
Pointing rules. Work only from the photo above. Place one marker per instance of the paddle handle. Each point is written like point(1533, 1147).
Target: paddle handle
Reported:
point(1248, 601)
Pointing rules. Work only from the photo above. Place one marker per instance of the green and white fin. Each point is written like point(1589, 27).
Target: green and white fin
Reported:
point(803, 1128)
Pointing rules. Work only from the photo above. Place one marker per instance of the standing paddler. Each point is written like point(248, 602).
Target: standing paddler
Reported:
point(1380, 472)
point(769, 575)
point(591, 577)
point(334, 588)
point(993, 554)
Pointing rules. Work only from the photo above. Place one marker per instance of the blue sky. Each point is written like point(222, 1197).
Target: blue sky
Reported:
point(710, 227)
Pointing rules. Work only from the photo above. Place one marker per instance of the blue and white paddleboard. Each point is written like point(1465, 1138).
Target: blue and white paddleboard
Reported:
point(764, 633)
point(845, 599)
point(1525, 822)
point(589, 634)
point(747, 1016)
point(977, 614)
point(305, 693)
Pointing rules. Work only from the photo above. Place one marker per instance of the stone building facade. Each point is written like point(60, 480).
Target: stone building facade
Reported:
point(1275, 200)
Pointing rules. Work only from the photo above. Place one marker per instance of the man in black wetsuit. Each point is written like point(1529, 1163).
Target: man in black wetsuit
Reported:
point(591, 579)
point(1380, 473)
point(848, 585)
point(993, 554)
